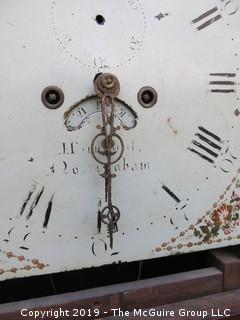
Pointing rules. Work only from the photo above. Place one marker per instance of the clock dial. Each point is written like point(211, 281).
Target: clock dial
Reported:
point(178, 179)
point(82, 111)
point(104, 23)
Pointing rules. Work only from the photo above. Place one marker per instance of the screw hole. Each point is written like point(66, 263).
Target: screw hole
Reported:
point(147, 97)
point(52, 97)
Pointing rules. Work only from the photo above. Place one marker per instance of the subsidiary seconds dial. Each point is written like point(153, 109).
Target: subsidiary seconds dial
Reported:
point(97, 39)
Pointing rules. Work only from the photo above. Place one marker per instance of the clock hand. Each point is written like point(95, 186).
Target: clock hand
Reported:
point(107, 88)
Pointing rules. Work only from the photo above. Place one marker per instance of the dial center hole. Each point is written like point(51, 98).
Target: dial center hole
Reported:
point(100, 19)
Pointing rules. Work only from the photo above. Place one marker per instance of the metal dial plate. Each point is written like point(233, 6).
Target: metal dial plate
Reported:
point(178, 182)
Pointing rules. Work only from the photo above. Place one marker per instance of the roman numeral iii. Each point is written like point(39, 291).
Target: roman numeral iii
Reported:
point(222, 82)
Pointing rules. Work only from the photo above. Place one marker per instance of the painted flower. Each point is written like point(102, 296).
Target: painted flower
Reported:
point(236, 223)
point(228, 230)
point(234, 196)
point(224, 219)
point(222, 214)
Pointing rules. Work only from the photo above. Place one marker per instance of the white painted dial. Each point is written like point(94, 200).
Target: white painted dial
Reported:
point(177, 184)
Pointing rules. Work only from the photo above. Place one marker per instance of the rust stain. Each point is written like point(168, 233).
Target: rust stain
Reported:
point(171, 126)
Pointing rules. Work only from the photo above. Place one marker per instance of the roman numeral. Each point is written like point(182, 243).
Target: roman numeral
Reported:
point(171, 194)
point(134, 44)
point(231, 7)
point(68, 148)
point(207, 18)
point(81, 112)
point(206, 145)
point(222, 82)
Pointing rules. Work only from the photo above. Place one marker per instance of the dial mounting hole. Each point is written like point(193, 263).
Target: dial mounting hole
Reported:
point(147, 97)
point(52, 97)
point(100, 19)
